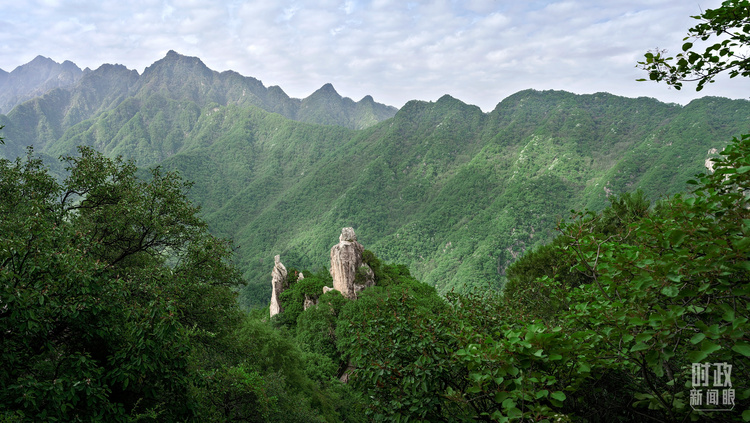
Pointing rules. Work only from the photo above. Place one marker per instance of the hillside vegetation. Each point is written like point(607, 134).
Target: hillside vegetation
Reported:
point(454, 193)
point(118, 301)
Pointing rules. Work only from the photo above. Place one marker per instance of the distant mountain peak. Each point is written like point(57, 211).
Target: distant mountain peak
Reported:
point(35, 78)
point(174, 57)
point(446, 98)
point(327, 89)
point(41, 60)
point(176, 69)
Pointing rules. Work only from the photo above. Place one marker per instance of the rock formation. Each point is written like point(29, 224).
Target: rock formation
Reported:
point(350, 274)
point(709, 164)
point(278, 285)
point(309, 301)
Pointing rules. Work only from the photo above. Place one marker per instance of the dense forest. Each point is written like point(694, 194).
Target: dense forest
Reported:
point(118, 306)
point(119, 294)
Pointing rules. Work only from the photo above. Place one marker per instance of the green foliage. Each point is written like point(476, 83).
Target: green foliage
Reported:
point(292, 300)
point(117, 305)
point(237, 394)
point(525, 285)
point(421, 358)
point(396, 342)
point(105, 284)
point(660, 290)
point(602, 325)
point(316, 327)
point(730, 25)
point(300, 384)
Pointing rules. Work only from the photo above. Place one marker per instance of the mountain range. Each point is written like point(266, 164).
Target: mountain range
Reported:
point(47, 98)
point(454, 193)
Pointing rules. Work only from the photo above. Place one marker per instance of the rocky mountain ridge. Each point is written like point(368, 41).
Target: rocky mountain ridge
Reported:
point(44, 99)
point(34, 79)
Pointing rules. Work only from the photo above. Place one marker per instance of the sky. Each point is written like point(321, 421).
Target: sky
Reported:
point(479, 51)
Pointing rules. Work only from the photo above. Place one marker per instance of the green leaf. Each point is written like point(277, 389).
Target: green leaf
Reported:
point(742, 348)
point(501, 396)
point(728, 315)
point(697, 356)
point(698, 337)
point(676, 237)
point(558, 395)
point(742, 243)
point(639, 347)
point(509, 403)
point(670, 290)
point(515, 413)
point(710, 347)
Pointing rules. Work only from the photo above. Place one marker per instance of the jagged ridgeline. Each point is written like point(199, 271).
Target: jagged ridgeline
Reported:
point(454, 193)
point(149, 117)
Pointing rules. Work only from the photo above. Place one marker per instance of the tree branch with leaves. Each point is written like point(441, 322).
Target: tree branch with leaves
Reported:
point(729, 27)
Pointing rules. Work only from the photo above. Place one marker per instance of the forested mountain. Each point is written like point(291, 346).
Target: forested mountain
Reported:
point(34, 79)
point(454, 193)
point(186, 83)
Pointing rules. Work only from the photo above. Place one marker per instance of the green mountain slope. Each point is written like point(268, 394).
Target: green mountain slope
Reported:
point(113, 93)
point(34, 79)
point(454, 193)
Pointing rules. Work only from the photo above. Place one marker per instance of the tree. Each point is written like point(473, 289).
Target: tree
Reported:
point(730, 24)
point(112, 295)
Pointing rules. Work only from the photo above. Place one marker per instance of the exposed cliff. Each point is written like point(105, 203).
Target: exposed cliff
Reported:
point(278, 283)
point(350, 274)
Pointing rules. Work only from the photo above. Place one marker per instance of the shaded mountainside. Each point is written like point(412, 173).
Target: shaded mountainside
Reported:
point(34, 79)
point(454, 193)
point(181, 85)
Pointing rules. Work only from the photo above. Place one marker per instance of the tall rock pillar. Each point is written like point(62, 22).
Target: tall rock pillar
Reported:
point(346, 262)
point(278, 284)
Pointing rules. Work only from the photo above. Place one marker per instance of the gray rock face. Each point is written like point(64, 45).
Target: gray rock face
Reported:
point(350, 274)
point(364, 279)
point(309, 301)
point(278, 285)
point(348, 235)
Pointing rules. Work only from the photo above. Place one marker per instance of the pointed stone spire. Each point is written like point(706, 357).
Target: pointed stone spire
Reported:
point(278, 284)
point(346, 261)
